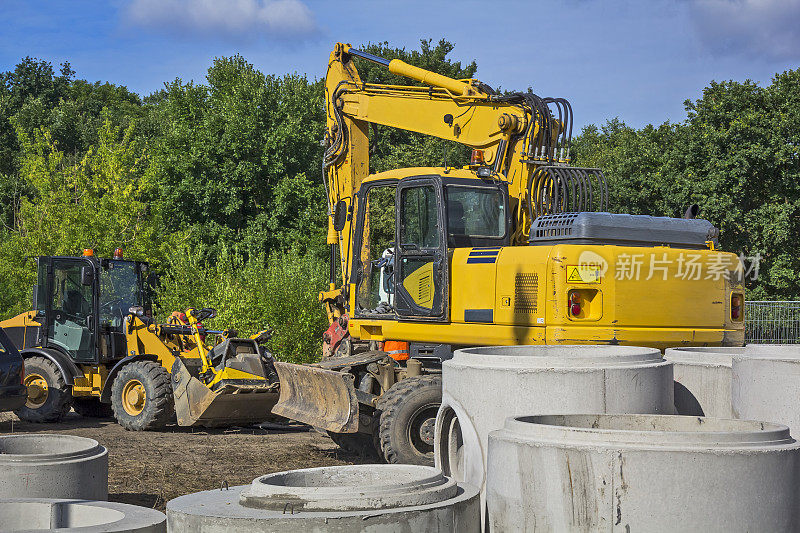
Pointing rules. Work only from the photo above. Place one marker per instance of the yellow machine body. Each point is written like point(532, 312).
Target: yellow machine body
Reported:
point(91, 348)
point(525, 296)
point(657, 296)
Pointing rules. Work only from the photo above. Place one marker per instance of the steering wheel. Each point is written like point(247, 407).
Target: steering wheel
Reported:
point(204, 314)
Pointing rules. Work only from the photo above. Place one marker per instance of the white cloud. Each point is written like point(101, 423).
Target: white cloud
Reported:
point(241, 19)
point(760, 29)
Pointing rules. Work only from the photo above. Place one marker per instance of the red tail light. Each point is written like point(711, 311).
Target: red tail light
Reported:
point(736, 307)
point(575, 303)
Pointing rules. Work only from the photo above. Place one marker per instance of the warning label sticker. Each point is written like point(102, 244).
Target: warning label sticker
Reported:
point(583, 274)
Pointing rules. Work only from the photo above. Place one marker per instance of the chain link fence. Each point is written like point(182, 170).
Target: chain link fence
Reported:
point(772, 322)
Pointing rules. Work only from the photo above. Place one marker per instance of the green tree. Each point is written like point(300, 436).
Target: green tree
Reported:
point(33, 96)
point(96, 202)
point(229, 155)
point(251, 295)
point(737, 155)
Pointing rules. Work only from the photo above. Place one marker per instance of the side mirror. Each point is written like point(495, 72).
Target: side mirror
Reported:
point(87, 275)
point(340, 215)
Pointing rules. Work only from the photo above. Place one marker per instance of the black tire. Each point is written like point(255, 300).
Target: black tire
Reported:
point(157, 406)
point(92, 408)
point(360, 444)
point(407, 420)
point(57, 396)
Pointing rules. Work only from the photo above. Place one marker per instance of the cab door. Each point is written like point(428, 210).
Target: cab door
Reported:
point(421, 257)
point(70, 309)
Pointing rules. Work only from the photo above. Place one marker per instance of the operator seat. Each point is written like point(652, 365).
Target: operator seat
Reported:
point(73, 303)
point(456, 225)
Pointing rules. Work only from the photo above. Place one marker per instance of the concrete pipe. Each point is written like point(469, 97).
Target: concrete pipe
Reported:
point(79, 516)
point(484, 386)
point(374, 498)
point(53, 466)
point(642, 473)
point(765, 384)
point(702, 379)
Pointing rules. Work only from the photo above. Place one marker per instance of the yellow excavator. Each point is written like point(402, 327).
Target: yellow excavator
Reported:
point(515, 248)
point(90, 343)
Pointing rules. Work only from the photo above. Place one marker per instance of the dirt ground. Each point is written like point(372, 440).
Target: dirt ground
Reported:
point(149, 468)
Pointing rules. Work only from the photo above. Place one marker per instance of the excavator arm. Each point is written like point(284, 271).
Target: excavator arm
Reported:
point(524, 140)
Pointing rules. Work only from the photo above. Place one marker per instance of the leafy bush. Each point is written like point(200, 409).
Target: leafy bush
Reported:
point(252, 295)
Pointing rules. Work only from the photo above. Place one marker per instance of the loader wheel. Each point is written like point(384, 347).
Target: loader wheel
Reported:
point(141, 396)
point(407, 420)
point(48, 393)
point(92, 408)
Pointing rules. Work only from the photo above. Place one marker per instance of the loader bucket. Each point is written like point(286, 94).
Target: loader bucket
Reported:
point(321, 398)
point(231, 404)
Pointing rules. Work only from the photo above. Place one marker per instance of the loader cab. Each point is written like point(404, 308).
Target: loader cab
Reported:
point(81, 303)
point(405, 232)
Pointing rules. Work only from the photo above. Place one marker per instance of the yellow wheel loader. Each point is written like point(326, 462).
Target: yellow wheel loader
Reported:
point(90, 343)
point(515, 248)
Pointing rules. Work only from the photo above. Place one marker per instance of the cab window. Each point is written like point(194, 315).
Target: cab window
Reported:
point(420, 217)
point(474, 214)
point(375, 293)
point(119, 291)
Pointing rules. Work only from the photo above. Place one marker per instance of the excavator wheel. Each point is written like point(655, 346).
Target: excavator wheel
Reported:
point(91, 408)
point(408, 418)
point(141, 396)
point(48, 393)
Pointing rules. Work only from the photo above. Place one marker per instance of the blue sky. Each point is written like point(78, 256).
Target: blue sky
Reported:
point(636, 60)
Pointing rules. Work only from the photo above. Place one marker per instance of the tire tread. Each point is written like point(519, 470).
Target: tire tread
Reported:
point(390, 403)
point(159, 408)
point(59, 390)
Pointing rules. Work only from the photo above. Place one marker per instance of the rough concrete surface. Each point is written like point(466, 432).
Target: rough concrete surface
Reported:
point(53, 466)
point(79, 516)
point(484, 386)
point(703, 379)
point(642, 473)
point(766, 383)
point(375, 498)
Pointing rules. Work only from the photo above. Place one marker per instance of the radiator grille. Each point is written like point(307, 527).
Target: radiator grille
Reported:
point(424, 288)
point(526, 287)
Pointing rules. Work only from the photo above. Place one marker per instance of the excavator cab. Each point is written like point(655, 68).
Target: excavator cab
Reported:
point(435, 214)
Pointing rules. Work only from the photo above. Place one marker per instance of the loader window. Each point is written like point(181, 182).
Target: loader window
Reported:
point(376, 281)
point(72, 305)
point(119, 291)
